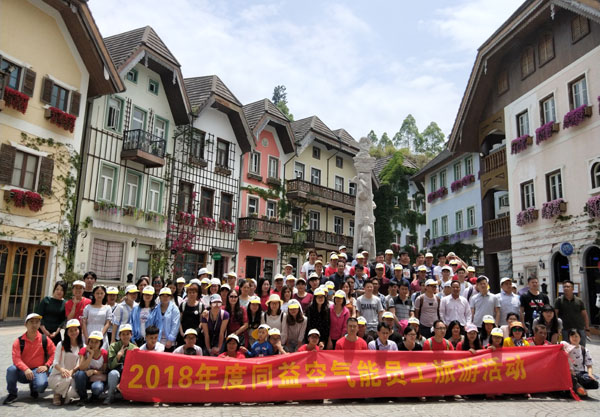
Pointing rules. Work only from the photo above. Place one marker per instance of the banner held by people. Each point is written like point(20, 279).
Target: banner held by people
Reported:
point(160, 377)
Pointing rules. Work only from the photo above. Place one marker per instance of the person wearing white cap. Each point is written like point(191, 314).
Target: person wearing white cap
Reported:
point(290, 282)
point(471, 341)
point(214, 326)
point(74, 307)
point(294, 327)
point(93, 362)
point(214, 286)
point(66, 359)
point(427, 308)
point(233, 348)
point(509, 301)
point(288, 269)
point(30, 363)
point(232, 280)
point(389, 260)
point(318, 316)
point(483, 303)
point(189, 347)
point(167, 319)
point(278, 282)
point(313, 342)
point(338, 316)
point(273, 316)
point(97, 316)
point(144, 315)
point(123, 311)
point(117, 353)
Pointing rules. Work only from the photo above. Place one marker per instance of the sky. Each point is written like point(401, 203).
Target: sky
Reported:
point(358, 65)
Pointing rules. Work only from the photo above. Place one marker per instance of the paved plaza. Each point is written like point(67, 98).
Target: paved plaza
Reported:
point(539, 405)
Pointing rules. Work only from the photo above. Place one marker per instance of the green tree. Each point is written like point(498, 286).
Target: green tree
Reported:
point(280, 100)
point(408, 136)
point(385, 141)
point(384, 210)
point(372, 137)
point(433, 139)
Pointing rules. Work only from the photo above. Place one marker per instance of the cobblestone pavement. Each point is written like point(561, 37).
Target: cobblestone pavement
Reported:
point(538, 405)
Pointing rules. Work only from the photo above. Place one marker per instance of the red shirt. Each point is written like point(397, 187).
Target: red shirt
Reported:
point(345, 344)
point(79, 309)
point(303, 348)
point(431, 344)
point(33, 353)
point(238, 355)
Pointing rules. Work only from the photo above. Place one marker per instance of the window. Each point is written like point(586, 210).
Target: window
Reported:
point(443, 178)
point(296, 219)
point(527, 62)
point(527, 195)
point(113, 114)
point(457, 171)
point(548, 109)
point(503, 201)
point(578, 93)
point(252, 205)
point(470, 217)
point(273, 167)
point(314, 220)
point(580, 27)
point(161, 127)
point(254, 165)
point(315, 176)
point(433, 183)
point(143, 260)
point(271, 209)
point(206, 202)
point(554, 185)
point(444, 225)
point(546, 48)
point(138, 119)
point(338, 225)
point(131, 197)
point(523, 124)
point(459, 220)
point(596, 175)
point(226, 206)
point(351, 228)
point(107, 259)
point(503, 82)
point(154, 202)
point(59, 97)
point(153, 87)
point(352, 188)
point(107, 183)
point(14, 78)
point(299, 170)
point(434, 228)
point(222, 153)
point(469, 165)
point(185, 200)
point(24, 170)
point(316, 152)
point(339, 184)
point(339, 162)
point(197, 143)
point(132, 75)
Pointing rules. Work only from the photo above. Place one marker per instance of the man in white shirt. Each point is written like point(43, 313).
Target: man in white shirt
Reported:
point(455, 307)
point(484, 303)
point(382, 342)
point(309, 265)
point(509, 302)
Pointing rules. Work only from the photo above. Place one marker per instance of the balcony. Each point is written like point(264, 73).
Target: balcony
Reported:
point(496, 235)
point(143, 147)
point(319, 239)
point(264, 230)
point(493, 171)
point(304, 190)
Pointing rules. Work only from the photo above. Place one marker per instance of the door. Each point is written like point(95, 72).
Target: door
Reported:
point(592, 277)
point(560, 272)
point(253, 267)
point(220, 267)
point(268, 270)
point(22, 274)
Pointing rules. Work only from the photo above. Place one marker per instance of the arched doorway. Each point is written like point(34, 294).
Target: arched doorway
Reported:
point(592, 281)
point(561, 271)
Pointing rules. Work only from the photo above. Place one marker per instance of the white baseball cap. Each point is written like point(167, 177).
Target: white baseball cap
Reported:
point(503, 280)
point(202, 271)
point(387, 315)
point(342, 247)
point(429, 255)
point(32, 316)
point(431, 282)
point(125, 328)
point(78, 282)
point(389, 252)
point(97, 335)
point(131, 288)
point(190, 331)
point(180, 280)
point(148, 289)
point(73, 323)
point(112, 290)
point(314, 331)
point(165, 290)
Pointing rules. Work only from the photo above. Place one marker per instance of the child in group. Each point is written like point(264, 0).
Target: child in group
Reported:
point(189, 347)
point(116, 359)
point(313, 342)
point(233, 348)
point(580, 362)
point(261, 347)
point(93, 361)
point(275, 341)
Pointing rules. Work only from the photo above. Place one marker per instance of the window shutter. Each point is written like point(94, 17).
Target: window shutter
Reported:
point(47, 85)
point(29, 82)
point(75, 102)
point(45, 179)
point(7, 163)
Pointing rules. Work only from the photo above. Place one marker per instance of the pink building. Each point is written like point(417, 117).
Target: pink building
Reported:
point(261, 229)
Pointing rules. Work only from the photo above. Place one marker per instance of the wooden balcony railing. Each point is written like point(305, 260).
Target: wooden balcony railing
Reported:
point(321, 239)
point(497, 228)
point(264, 230)
point(496, 159)
point(328, 196)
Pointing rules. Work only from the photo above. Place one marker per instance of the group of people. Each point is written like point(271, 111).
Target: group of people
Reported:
point(347, 304)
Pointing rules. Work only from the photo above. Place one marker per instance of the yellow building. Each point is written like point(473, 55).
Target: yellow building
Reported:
point(321, 188)
point(53, 60)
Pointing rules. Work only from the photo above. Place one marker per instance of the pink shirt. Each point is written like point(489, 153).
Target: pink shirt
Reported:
point(337, 325)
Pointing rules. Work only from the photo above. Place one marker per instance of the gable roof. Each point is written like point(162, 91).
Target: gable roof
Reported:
point(264, 112)
point(123, 45)
point(302, 126)
point(199, 89)
point(346, 138)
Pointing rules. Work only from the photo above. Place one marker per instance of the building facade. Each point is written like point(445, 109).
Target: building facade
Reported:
point(52, 61)
point(127, 158)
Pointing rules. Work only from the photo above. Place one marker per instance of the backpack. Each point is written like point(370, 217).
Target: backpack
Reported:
point(420, 299)
point(44, 345)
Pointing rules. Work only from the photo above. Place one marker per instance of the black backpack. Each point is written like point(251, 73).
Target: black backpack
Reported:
point(44, 345)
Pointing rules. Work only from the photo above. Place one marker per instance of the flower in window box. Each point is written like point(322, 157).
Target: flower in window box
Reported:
point(16, 100)
point(16, 196)
point(520, 144)
point(576, 116)
point(34, 201)
point(545, 131)
point(456, 185)
point(61, 118)
point(553, 208)
point(593, 207)
point(527, 216)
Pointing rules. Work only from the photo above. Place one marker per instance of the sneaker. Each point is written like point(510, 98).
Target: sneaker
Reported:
point(580, 391)
point(57, 399)
point(11, 398)
point(34, 394)
point(108, 400)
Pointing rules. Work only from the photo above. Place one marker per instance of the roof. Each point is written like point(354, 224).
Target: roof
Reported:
point(302, 126)
point(263, 112)
point(346, 138)
point(123, 45)
point(440, 158)
point(382, 162)
point(199, 89)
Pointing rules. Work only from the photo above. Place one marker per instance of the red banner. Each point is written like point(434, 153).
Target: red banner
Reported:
point(165, 377)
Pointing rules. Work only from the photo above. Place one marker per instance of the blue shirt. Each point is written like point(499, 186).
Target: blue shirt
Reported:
point(260, 349)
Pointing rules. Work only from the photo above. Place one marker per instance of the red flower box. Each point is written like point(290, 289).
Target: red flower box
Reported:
point(61, 118)
point(16, 99)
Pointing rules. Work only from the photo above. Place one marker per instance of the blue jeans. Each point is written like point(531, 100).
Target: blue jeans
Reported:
point(82, 383)
point(14, 375)
point(114, 377)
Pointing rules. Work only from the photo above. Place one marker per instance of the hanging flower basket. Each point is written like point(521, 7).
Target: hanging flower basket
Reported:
point(61, 118)
point(520, 144)
point(576, 116)
point(553, 208)
point(593, 207)
point(527, 216)
point(545, 131)
point(16, 100)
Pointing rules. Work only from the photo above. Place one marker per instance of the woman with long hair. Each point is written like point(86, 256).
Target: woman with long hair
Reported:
point(190, 312)
point(286, 296)
point(409, 343)
point(294, 327)
point(143, 315)
point(580, 363)
point(97, 316)
point(93, 363)
point(263, 290)
point(484, 336)
point(273, 317)
point(471, 341)
point(52, 310)
point(318, 316)
point(142, 283)
point(553, 324)
point(348, 288)
point(66, 361)
point(254, 313)
point(244, 293)
point(454, 334)
point(175, 292)
point(214, 326)
point(238, 317)
point(338, 316)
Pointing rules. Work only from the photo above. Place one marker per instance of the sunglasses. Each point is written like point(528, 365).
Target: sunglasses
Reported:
point(233, 296)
